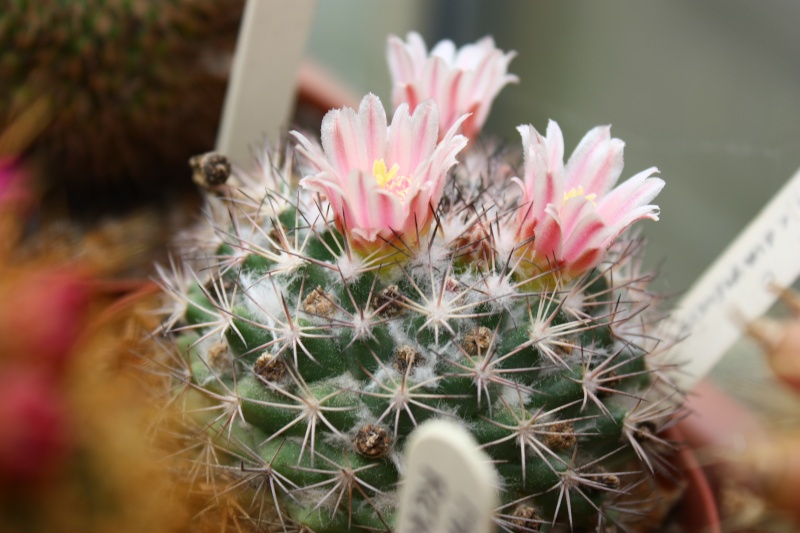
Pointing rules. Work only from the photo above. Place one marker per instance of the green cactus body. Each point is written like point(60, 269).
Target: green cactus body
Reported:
point(321, 370)
point(323, 319)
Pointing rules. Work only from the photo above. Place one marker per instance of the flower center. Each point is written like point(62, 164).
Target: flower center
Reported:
point(389, 180)
point(578, 191)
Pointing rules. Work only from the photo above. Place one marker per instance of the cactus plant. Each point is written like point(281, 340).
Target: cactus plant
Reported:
point(112, 73)
point(317, 323)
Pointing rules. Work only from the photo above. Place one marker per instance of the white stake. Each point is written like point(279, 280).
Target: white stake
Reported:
point(449, 484)
point(262, 84)
point(737, 285)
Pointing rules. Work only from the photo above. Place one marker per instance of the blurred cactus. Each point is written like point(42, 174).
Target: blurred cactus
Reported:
point(114, 79)
point(74, 451)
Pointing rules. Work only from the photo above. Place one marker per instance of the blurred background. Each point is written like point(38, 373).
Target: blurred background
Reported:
point(709, 92)
point(107, 100)
point(125, 92)
point(102, 102)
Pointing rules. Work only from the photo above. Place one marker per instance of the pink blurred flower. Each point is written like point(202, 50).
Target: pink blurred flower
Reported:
point(51, 306)
point(7, 176)
point(15, 194)
point(33, 426)
point(381, 182)
point(461, 81)
point(571, 210)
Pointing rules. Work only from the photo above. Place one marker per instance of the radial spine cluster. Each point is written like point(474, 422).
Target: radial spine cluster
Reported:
point(306, 349)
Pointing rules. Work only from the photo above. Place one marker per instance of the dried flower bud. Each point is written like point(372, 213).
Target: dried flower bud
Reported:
point(373, 441)
point(318, 303)
point(477, 340)
point(526, 518)
point(406, 357)
point(646, 430)
point(562, 435)
point(389, 300)
point(219, 357)
point(210, 170)
point(269, 368)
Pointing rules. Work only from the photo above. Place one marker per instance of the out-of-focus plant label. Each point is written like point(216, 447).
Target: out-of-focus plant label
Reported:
point(738, 285)
point(263, 77)
point(449, 484)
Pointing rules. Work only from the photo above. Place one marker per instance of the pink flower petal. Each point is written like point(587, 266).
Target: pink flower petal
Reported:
point(434, 74)
point(373, 210)
point(542, 187)
point(417, 50)
point(342, 141)
point(327, 185)
point(446, 50)
point(447, 97)
point(401, 64)
point(484, 73)
point(555, 149)
point(471, 127)
point(548, 239)
point(463, 80)
point(470, 55)
point(367, 209)
point(398, 144)
point(596, 163)
point(589, 218)
point(586, 261)
point(573, 211)
point(406, 94)
point(444, 156)
point(630, 195)
point(424, 132)
point(312, 152)
point(373, 128)
point(420, 214)
point(361, 191)
point(589, 233)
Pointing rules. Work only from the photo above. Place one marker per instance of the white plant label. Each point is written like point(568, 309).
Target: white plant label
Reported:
point(449, 485)
point(738, 285)
point(263, 77)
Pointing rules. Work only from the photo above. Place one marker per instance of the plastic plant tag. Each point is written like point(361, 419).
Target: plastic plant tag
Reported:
point(449, 485)
point(738, 285)
point(271, 42)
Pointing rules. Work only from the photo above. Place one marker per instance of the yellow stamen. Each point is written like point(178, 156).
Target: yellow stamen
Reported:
point(389, 180)
point(575, 192)
point(383, 176)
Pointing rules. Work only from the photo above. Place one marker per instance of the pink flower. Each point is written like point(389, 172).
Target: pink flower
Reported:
point(382, 182)
point(34, 436)
point(64, 293)
point(461, 81)
point(571, 210)
point(15, 193)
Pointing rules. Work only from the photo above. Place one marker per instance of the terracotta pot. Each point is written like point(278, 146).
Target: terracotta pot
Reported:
point(698, 507)
point(737, 449)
